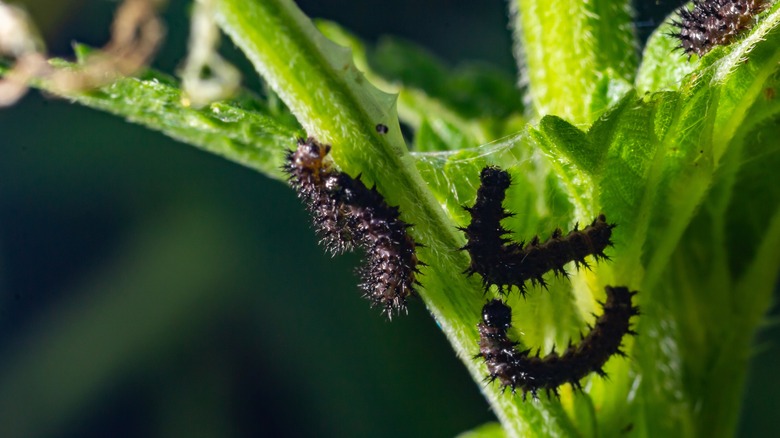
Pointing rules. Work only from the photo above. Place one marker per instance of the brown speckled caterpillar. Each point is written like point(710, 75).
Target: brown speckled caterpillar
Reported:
point(519, 370)
point(348, 214)
point(504, 263)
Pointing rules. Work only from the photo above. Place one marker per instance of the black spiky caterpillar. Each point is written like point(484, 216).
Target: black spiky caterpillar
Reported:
point(500, 261)
point(310, 177)
point(519, 370)
point(713, 23)
point(347, 214)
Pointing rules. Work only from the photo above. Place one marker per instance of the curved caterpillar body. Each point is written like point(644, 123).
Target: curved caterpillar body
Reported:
point(505, 263)
point(714, 23)
point(347, 214)
point(519, 370)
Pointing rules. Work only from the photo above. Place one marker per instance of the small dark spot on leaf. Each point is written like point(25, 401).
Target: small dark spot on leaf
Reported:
point(382, 129)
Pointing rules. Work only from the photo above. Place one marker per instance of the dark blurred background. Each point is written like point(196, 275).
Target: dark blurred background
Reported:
point(150, 289)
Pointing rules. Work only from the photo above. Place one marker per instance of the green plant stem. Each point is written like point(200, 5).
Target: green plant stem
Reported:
point(596, 47)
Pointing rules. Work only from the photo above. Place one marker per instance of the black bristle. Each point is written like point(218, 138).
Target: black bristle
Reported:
point(518, 370)
point(507, 264)
point(347, 214)
point(713, 23)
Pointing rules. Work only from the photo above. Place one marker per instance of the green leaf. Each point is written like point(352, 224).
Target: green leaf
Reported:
point(753, 201)
point(438, 135)
point(594, 60)
point(247, 129)
point(680, 172)
point(567, 141)
point(663, 65)
point(487, 430)
point(569, 154)
point(741, 74)
point(473, 104)
point(474, 91)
